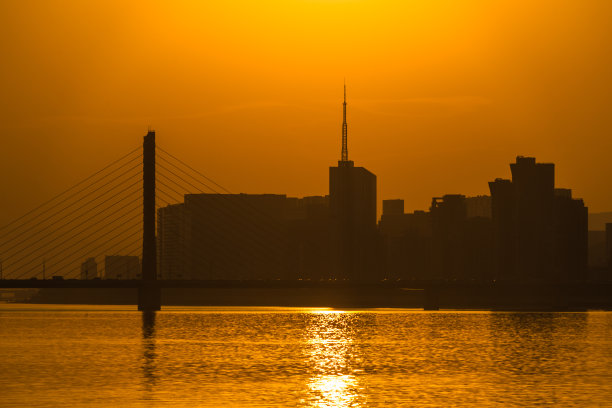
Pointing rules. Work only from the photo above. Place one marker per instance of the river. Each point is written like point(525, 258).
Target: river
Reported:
point(101, 356)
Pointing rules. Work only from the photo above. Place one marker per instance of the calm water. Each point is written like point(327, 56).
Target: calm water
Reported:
point(76, 356)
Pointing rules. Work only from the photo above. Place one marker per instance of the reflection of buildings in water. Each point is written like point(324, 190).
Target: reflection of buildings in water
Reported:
point(527, 349)
point(333, 360)
point(149, 368)
point(530, 342)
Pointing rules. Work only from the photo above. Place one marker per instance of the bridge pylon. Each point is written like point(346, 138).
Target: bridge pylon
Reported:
point(149, 294)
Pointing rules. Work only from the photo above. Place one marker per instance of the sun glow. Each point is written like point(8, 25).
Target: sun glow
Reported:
point(433, 85)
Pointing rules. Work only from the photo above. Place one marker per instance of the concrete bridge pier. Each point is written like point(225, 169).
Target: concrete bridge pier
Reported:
point(149, 297)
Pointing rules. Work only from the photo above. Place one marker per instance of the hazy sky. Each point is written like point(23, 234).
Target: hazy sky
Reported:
point(442, 94)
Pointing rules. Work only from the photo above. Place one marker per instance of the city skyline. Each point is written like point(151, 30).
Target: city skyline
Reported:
point(527, 230)
point(348, 224)
point(344, 159)
point(305, 203)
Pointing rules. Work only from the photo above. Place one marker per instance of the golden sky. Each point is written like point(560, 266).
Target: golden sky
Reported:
point(442, 94)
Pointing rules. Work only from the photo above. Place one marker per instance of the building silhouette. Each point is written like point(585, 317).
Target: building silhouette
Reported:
point(608, 252)
point(270, 236)
point(235, 236)
point(122, 267)
point(570, 228)
point(478, 206)
point(525, 231)
point(393, 207)
point(448, 218)
point(600, 253)
point(479, 249)
point(504, 232)
point(540, 233)
point(462, 234)
point(310, 238)
point(534, 185)
point(89, 269)
point(406, 242)
point(352, 199)
point(171, 242)
point(451, 242)
point(245, 236)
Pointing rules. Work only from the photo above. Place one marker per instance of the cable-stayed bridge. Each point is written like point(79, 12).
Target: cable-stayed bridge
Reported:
point(109, 212)
point(113, 212)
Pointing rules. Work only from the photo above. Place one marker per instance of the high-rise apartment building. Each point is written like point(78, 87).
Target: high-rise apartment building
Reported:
point(540, 232)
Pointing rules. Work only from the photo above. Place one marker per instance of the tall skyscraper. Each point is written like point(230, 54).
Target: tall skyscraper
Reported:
point(352, 193)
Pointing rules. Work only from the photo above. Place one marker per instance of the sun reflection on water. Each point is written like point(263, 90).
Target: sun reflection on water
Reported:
point(331, 353)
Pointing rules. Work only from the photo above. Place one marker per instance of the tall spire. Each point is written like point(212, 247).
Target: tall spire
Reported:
point(344, 129)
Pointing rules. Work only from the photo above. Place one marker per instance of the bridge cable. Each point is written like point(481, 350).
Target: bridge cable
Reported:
point(77, 217)
point(253, 232)
point(107, 250)
point(61, 194)
point(246, 203)
point(74, 236)
point(75, 202)
point(274, 234)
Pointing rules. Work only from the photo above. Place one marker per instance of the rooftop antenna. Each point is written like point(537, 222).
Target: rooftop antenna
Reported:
point(344, 129)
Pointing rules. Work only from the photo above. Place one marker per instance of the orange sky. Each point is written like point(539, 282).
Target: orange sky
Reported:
point(442, 94)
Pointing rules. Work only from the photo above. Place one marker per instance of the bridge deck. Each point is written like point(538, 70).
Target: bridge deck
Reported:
point(136, 283)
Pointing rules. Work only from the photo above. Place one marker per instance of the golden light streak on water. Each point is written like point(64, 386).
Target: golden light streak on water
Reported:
point(330, 340)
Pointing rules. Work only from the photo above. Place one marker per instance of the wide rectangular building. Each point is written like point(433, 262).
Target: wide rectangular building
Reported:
point(244, 236)
point(235, 236)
